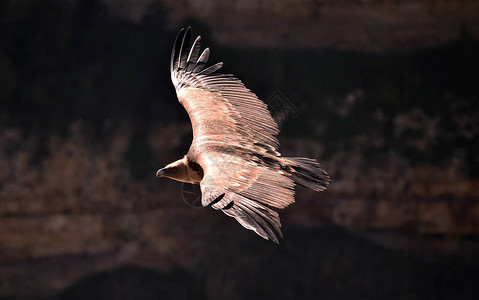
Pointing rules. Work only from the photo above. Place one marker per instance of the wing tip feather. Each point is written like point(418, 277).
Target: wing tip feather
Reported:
point(256, 217)
point(183, 57)
point(176, 48)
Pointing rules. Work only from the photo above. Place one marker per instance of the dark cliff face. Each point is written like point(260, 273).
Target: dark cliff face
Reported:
point(364, 25)
point(88, 114)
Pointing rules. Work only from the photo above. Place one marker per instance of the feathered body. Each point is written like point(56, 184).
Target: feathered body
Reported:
point(234, 153)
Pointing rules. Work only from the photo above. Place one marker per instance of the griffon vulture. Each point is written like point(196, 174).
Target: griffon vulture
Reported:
point(234, 154)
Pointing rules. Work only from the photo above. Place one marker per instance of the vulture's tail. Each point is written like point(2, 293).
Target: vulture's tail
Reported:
point(307, 172)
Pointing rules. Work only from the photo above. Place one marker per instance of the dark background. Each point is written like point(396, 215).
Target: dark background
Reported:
point(383, 93)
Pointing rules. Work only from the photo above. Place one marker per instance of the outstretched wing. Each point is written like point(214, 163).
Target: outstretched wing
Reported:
point(246, 189)
point(219, 105)
point(234, 141)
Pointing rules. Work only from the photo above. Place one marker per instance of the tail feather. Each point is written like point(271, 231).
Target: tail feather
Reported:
point(308, 173)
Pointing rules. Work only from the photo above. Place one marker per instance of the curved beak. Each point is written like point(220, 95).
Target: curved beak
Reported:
point(160, 173)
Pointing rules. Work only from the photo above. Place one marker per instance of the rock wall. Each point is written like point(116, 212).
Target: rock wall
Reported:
point(77, 210)
point(351, 25)
point(88, 115)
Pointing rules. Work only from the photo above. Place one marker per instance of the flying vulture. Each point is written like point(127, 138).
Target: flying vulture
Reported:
point(234, 154)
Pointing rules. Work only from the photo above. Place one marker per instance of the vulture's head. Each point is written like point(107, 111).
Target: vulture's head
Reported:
point(176, 170)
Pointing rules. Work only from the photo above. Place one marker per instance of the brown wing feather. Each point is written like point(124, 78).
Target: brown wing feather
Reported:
point(220, 99)
point(254, 216)
point(232, 128)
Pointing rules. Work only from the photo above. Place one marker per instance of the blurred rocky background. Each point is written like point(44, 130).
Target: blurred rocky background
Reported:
point(384, 93)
